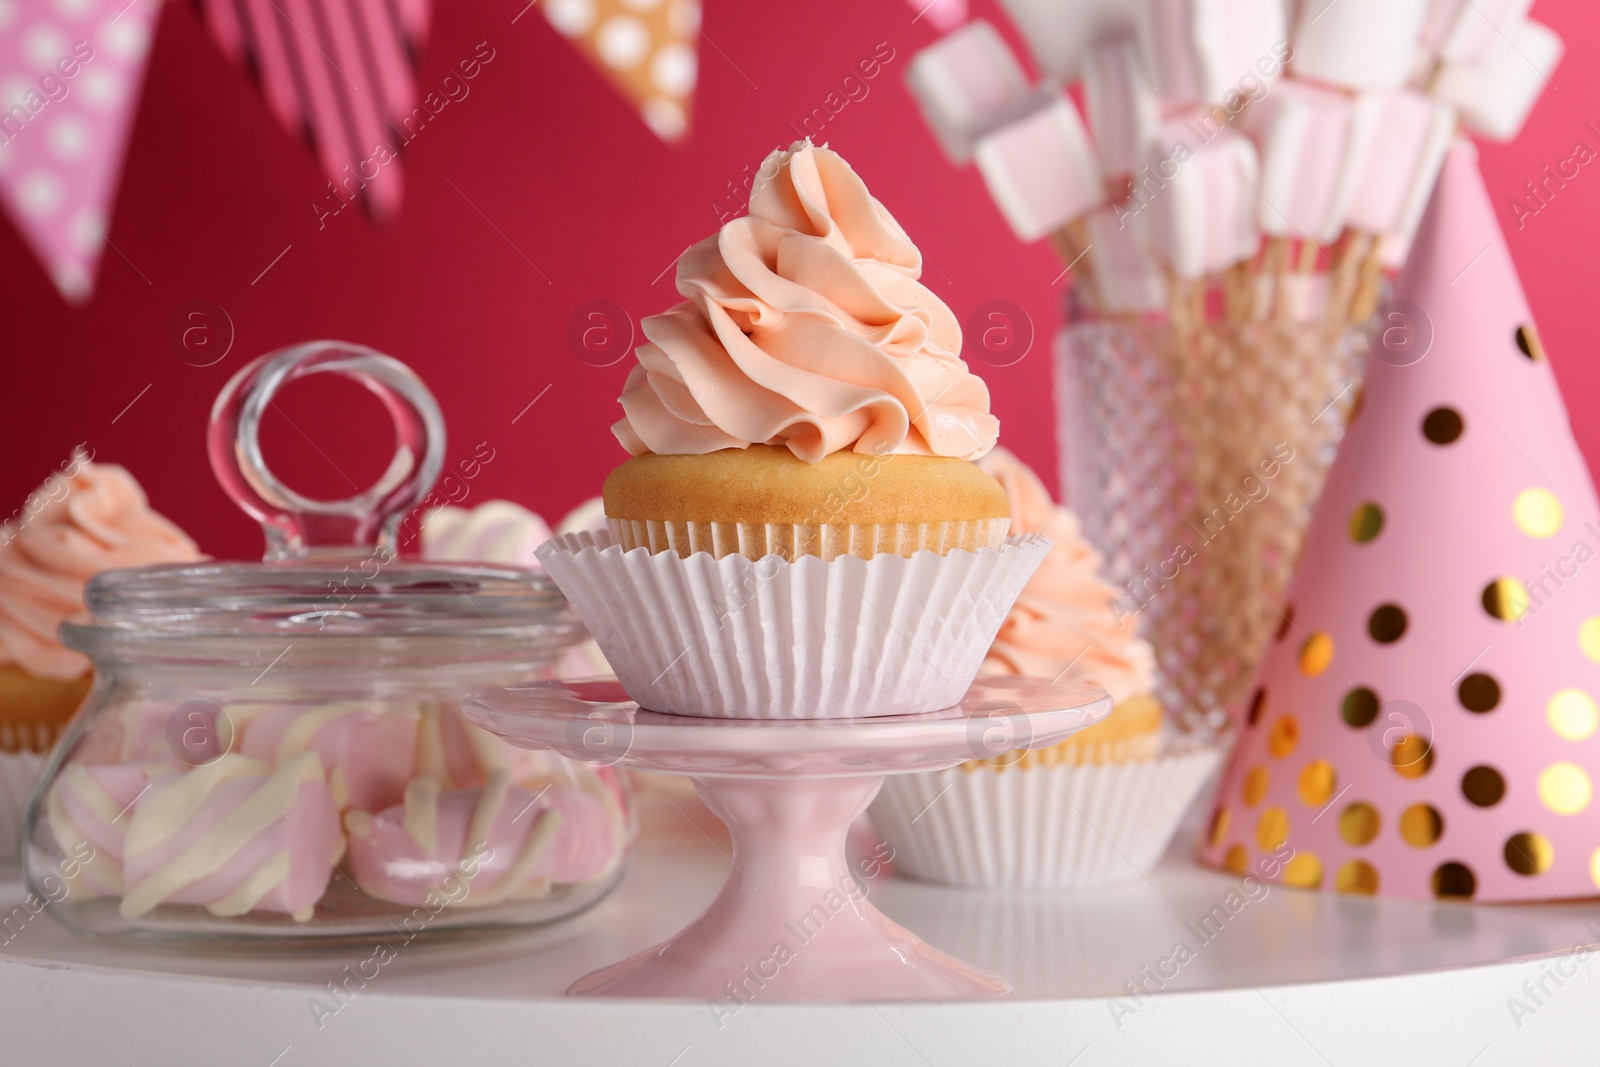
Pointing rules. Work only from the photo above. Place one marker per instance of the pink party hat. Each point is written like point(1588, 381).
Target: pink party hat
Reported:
point(1424, 724)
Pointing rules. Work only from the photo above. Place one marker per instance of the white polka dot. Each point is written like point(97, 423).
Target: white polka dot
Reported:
point(99, 88)
point(68, 137)
point(665, 118)
point(672, 68)
point(36, 197)
point(12, 90)
point(73, 281)
point(87, 235)
point(623, 42)
point(641, 5)
point(43, 45)
point(74, 9)
point(570, 17)
point(126, 39)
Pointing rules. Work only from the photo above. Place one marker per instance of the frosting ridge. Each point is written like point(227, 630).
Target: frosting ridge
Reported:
point(804, 325)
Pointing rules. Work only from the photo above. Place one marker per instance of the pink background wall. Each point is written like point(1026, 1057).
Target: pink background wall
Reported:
point(577, 186)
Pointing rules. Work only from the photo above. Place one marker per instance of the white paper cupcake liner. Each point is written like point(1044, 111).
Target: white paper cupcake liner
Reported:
point(17, 772)
point(796, 540)
point(771, 639)
point(1040, 827)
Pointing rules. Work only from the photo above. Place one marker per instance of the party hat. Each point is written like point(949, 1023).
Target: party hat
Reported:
point(646, 50)
point(1424, 723)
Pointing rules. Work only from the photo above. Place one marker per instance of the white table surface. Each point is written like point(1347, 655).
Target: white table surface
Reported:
point(1294, 977)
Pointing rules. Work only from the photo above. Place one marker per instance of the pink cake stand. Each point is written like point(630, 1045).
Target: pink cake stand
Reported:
point(791, 922)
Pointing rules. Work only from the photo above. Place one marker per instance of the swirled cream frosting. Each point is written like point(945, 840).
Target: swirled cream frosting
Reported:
point(804, 325)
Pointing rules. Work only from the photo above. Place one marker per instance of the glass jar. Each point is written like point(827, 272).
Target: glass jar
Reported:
point(276, 750)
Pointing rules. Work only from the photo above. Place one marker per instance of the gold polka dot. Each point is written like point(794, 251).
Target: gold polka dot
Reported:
point(1256, 781)
point(1589, 637)
point(1257, 702)
point(1528, 342)
point(1317, 781)
point(1479, 693)
point(1454, 881)
point(1572, 714)
point(1366, 522)
point(1442, 426)
point(1304, 871)
point(1420, 826)
point(1220, 821)
point(1483, 786)
point(1272, 829)
point(1529, 853)
point(1357, 876)
point(1505, 599)
point(1316, 655)
point(1284, 736)
point(1565, 789)
point(1358, 823)
point(1537, 513)
point(1387, 624)
point(1237, 860)
point(1412, 756)
point(1360, 707)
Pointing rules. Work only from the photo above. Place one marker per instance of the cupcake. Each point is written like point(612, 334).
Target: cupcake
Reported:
point(90, 518)
point(801, 531)
point(1098, 808)
point(808, 397)
point(87, 518)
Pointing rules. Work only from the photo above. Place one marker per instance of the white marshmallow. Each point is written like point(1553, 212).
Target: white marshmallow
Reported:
point(1471, 31)
point(1358, 44)
point(1205, 50)
point(1201, 197)
point(1313, 144)
point(1410, 136)
point(1495, 98)
point(1061, 32)
point(966, 84)
point(1126, 273)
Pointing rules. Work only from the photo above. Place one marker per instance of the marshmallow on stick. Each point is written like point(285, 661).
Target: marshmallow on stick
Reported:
point(1041, 170)
point(1061, 32)
point(1121, 103)
point(1201, 198)
point(1358, 44)
point(1471, 31)
point(1126, 279)
point(1495, 98)
point(1213, 51)
point(966, 83)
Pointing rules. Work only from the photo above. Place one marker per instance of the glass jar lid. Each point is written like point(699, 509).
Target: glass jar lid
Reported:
point(332, 570)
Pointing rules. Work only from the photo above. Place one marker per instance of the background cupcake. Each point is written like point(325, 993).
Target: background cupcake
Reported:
point(85, 519)
point(801, 532)
point(1100, 807)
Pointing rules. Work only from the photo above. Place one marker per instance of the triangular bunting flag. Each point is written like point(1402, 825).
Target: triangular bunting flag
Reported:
point(70, 80)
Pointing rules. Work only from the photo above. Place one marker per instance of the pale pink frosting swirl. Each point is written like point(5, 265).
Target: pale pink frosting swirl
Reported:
point(1065, 615)
point(805, 326)
point(90, 518)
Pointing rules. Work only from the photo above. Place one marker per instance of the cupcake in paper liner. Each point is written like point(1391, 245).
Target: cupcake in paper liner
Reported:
point(1102, 806)
point(801, 531)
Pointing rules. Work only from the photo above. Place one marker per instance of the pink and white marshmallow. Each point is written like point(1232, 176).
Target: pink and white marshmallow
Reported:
point(1201, 197)
point(965, 84)
point(1409, 137)
point(91, 804)
point(475, 847)
point(1121, 104)
point(496, 531)
point(234, 836)
point(1358, 44)
point(1061, 32)
point(1041, 170)
point(1213, 51)
point(1471, 31)
point(1313, 144)
point(370, 750)
point(1125, 272)
point(1495, 98)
